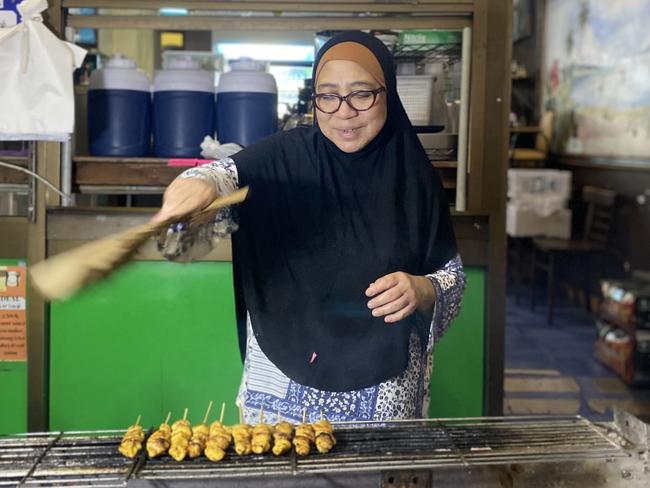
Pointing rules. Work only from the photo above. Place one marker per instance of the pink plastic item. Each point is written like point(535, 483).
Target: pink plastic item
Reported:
point(186, 162)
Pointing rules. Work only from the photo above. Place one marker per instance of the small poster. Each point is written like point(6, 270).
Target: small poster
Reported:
point(13, 312)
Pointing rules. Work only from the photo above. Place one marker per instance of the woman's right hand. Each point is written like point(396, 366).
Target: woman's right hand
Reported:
point(184, 197)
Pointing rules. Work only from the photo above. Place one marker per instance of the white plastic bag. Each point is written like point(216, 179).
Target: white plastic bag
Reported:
point(36, 92)
point(211, 149)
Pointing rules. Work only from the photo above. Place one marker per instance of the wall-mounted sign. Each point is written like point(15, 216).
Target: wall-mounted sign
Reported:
point(13, 312)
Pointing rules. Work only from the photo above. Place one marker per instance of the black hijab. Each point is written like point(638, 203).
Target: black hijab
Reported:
point(320, 225)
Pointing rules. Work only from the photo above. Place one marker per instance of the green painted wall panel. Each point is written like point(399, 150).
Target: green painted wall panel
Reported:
point(13, 397)
point(161, 336)
point(458, 362)
point(155, 337)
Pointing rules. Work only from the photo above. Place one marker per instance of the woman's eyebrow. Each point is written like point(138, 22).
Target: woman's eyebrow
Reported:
point(354, 84)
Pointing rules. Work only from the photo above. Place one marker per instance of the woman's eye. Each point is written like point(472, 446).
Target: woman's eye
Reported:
point(328, 98)
point(362, 95)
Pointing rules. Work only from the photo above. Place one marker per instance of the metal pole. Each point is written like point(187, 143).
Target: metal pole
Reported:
point(463, 128)
point(66, 172)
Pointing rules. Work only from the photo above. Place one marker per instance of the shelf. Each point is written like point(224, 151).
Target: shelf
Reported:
point(114, 172)
point(444, 164)
point(427, 53)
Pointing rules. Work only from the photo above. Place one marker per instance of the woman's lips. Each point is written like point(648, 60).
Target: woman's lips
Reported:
point(348, 133)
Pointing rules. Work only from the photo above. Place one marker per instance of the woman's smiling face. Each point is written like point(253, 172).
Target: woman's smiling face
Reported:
point(349, 129)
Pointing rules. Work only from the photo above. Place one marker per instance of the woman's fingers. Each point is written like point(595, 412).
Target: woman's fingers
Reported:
point(393, 295)
point(183, 197)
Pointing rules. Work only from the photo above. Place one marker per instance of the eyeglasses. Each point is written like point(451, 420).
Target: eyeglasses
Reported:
point(360, 100)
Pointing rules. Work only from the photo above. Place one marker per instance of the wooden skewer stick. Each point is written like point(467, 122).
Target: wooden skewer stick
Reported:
point(223, 409)
point(185, 414)
point(321, 415)
point(262, 414)
point(207, 413)
point(241, 415)
point(279, 418)
point(169, 415)
point(304, 415)
point(137, 422)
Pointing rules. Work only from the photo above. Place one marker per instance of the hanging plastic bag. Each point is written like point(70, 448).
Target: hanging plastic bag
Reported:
point(212, 149)
point(36, 92)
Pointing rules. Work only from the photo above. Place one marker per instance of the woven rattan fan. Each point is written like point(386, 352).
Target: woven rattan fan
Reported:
point(64, 274)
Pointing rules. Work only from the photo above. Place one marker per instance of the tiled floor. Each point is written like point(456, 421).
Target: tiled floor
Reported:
point(551, 368)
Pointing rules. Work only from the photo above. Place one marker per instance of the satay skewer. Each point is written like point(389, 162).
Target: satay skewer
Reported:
point(262, 432)
point(241, 434)
point(304, 436)
point(282, 433)
point(180, 438)
point(219, 439)
point(324, 435)
point(132, 441)
point(200, 434)
point(159, 442)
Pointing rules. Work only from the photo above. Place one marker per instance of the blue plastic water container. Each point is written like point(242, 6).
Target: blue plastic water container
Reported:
point(183, 109)
point(247, 104)
point(119, 110)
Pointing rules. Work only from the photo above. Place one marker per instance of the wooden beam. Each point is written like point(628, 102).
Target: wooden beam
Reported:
point(113, 172)
point(372, 6)
point(47, 166)
point(495, 159)
point(275, 23)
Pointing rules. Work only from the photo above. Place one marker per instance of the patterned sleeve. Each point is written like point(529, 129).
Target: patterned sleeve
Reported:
point(184, 243)
point(449, 282)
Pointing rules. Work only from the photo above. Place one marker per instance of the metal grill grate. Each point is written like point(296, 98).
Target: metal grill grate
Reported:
point(91, 458)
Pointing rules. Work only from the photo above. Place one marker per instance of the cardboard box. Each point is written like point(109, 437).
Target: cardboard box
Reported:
point(627, 354)
point(525, 222)
point(626, 303)
point(530, 183)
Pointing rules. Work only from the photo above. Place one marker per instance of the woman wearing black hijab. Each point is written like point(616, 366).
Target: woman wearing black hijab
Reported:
point(345, 254)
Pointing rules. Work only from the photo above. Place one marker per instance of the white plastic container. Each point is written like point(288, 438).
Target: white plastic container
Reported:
point(183, 109)
point(524, 183)
point(416, 94)
point(523, 221)
point(247, 103)
point(119, 109)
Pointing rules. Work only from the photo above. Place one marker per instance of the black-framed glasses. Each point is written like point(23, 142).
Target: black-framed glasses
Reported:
point(359, 100)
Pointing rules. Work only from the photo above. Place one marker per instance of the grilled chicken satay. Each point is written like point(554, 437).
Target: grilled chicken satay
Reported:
point(181, 435)
point(304, 437)
point(160, 440)
point(323, 431)
point(261, 440)
point(219, 438)
point(132, 441)
point(241, 434)
point(200, 434)
point(218, 441)
point(282, 437)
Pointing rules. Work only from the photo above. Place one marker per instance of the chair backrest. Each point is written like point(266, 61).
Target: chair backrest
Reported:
point(544, 137)
point(600, 214)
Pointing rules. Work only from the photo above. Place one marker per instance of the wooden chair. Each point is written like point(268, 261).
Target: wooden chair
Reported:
point(532, 157)
point(595, 240)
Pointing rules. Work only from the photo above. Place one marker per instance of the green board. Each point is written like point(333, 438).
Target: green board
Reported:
point(458, 361)
point(13, 397)
point(13, 387)
point(160, 336)
point(155, 337)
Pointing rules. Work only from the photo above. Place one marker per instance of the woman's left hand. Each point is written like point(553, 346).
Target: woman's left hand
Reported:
point(395, 296)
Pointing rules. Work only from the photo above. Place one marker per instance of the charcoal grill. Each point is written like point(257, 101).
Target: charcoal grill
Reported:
point(488, 451)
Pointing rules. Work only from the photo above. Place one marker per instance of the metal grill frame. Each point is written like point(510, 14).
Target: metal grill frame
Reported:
point(82, 458)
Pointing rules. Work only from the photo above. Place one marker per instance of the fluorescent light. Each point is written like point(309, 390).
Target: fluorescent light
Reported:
point(172, 11)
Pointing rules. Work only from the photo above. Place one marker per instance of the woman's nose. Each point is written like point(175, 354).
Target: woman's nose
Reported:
point(346, 111)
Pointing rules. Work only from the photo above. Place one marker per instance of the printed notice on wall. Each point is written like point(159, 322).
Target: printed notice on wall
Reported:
point(13, 313)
